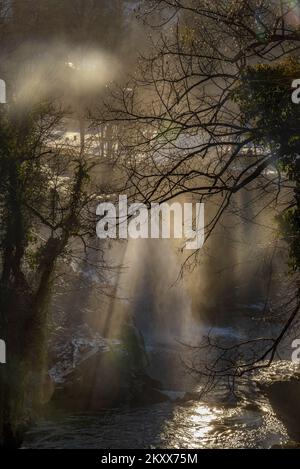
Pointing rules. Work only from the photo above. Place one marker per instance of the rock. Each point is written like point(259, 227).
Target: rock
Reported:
point(284, 398)
point(105, 381)
point(83, 344)
point(98, 382)
point(147, 390)
point(92, 373)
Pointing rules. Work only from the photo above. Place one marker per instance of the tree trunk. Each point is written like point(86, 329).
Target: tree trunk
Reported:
point(21, 379)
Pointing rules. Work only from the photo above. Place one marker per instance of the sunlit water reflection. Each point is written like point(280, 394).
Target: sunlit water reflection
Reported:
point(250, 422)
point(162, 426)
point(231, 299)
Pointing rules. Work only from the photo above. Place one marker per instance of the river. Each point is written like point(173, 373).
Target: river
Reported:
point(218, 421)
point(232, 290)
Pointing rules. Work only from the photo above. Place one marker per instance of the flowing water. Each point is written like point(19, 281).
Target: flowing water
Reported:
point(226, 290)
point(249, 422)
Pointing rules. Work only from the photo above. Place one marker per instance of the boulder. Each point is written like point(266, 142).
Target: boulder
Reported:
point(92, 373)
point(284, 398)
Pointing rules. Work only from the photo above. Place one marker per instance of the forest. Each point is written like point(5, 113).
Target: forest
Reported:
point(150, 224)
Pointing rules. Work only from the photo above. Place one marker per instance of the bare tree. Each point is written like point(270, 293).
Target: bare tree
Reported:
point(48, 195)
point(184, 131)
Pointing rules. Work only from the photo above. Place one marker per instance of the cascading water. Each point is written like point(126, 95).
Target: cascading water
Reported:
point(239, 263)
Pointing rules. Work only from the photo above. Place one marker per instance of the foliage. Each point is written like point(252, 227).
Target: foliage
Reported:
point(264, 97)
point(47, 202)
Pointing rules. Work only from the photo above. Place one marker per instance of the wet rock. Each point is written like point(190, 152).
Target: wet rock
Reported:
point(92, 373)
point(147, 391)
point(82, 345)
point(284, 398)
point(105, 381)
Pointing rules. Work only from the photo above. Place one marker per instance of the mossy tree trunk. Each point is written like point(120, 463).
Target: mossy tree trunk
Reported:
point(28, 203)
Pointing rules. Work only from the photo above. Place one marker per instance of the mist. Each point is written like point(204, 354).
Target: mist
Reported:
point(110, 343)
